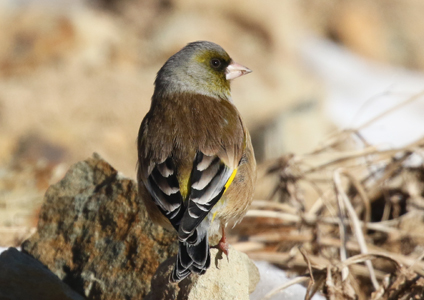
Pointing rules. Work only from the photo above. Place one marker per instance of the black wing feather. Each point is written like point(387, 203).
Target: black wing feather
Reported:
point(164, 188)
point(212, 180)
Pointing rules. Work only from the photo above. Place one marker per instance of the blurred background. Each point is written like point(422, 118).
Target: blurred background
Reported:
point(76, 77)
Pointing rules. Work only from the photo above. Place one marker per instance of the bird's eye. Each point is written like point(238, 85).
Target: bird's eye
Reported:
point(215, 63)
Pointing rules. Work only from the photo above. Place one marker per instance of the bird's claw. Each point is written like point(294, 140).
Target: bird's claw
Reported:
point(223, 246)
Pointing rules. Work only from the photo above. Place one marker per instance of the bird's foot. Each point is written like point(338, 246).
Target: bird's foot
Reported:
point(223, 246)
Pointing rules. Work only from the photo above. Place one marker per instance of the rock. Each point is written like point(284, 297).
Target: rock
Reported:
point(95, 235)
point(22, 277)
point(233, 279)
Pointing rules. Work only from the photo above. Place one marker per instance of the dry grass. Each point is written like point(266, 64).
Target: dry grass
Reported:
point(349, 219)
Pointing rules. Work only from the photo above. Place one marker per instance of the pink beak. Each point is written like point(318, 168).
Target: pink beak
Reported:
point(235, 70)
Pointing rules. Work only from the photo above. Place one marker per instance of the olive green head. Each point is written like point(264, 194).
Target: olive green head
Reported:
point(200, 67)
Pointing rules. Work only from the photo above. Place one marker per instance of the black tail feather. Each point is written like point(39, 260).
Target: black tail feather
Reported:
point(199, 253)
point(183, 259)
point(203, 269)
point(191, 258)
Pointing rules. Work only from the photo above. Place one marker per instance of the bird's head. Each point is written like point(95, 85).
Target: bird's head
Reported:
point(200, 67)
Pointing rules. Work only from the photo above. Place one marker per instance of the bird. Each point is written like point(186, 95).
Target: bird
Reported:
point(196, 167)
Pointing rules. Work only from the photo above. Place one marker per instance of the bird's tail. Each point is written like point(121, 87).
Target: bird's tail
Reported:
point(192, 258)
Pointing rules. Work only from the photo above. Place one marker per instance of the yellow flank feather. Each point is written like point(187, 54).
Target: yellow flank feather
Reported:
point(213, 216)
point(230, 180)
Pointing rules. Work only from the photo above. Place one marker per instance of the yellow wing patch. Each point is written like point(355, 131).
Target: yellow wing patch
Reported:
point(184, 187)
point(184, 183)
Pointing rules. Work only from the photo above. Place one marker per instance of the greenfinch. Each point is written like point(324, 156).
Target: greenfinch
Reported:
point(196, 167)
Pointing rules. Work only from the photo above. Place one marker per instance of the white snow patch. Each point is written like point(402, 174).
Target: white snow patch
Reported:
point(360, 89)
point(273, 277)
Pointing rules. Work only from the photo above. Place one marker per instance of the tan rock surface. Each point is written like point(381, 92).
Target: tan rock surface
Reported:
point(233, 279)
point(95, 235)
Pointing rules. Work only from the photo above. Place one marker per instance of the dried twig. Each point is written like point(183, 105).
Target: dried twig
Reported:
point(314, 220)
point(362, 194)
point(355, 226)
point(371, 173)
point(341, 223)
